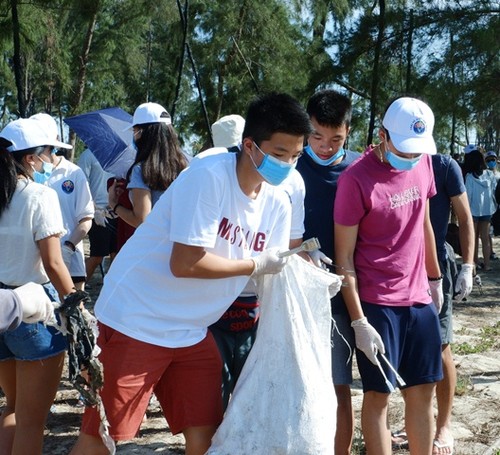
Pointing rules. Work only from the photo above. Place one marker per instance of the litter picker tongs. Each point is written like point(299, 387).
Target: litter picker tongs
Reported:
point(311, 244)
point(399, 379)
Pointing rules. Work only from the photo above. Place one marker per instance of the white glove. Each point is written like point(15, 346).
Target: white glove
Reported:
point(35, 303)
point(268, 262)
point(334, 288)
point(67, 254)
point(100, 216)
point(436, 292)
point(320, 259)
point(367, 339)
point(463, 286)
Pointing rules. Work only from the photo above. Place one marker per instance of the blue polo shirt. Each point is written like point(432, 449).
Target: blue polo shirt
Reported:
point(321, 188)
point(449, 183)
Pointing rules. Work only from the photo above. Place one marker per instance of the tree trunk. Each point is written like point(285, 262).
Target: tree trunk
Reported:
point(375, 73)
point(82, 74)
point(408, 53)
point(184, 20)
point(181, 60)
point(453, 100)
point(18, 61)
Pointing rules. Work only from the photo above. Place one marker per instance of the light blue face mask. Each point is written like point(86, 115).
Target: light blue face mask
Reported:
point(42, 177)
point(272, 169)
point(321, 162)
point(491, 164)
point(401, 164)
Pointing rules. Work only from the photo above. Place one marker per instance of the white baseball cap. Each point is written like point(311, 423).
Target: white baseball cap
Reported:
point(227, 131)
point(50, 126)
point(150, 113)
point(490, 153)
point(470, 148)
point(410, 123)
point(26, 133)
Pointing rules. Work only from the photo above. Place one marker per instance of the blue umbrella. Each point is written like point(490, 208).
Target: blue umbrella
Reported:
point(105, 134)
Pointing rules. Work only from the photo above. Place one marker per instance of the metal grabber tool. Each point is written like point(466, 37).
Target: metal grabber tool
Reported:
point(307, 245)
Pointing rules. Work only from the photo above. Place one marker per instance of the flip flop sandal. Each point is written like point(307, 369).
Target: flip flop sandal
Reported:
point(442, 445)
point(399, 440)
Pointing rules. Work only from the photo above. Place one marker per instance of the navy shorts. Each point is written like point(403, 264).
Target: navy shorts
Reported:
point(33, 341)
point(343, 344)
point(102, 239)
point(481, 218)
point(446, 314)
point(412, 341)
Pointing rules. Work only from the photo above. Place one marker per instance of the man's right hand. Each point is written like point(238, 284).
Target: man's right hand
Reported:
point(268, 262)
point(367, 339)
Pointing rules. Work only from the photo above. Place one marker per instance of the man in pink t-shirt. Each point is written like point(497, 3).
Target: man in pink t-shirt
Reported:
point(385, 247)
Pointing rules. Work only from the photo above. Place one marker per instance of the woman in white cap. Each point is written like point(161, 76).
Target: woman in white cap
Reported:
point(75, 199)
point(385, 247)
point(32, 355)
point(158, 162)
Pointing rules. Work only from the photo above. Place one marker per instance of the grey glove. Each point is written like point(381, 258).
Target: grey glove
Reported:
point(463, 286)
point(35, 303)
point(320, 259)
point(367, 339)
point(436, 292)
point(268, 262)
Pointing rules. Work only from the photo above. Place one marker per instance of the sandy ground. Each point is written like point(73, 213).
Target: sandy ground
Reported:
point(476, 412)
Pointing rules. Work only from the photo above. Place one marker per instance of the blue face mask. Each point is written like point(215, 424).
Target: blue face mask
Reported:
point(491, 164)
point(321, 162)
point(272, 169)
point(401, 164)
point(42, 177)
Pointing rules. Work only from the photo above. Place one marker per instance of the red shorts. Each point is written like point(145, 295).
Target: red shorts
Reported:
point(186, 381)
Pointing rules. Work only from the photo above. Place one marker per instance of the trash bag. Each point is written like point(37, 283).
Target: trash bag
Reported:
point(284, 401)
point(82, 354)
point(85, 369)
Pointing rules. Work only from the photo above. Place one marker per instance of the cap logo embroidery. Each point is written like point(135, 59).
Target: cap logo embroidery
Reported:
point(418, 126)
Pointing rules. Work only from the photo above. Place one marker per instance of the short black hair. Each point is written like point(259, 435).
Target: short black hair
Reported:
point(275, 113)
point(474, 163)
point(330, 108)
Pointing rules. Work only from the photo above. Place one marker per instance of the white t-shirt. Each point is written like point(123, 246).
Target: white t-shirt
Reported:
point(76, 203)
point(203, 207)
point(294, 187)
point(32, 215)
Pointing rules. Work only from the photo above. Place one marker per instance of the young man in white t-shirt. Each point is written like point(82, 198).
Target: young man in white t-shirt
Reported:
point(220, 222)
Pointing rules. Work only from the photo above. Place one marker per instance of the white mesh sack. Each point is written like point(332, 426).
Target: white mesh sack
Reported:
point(284, 401)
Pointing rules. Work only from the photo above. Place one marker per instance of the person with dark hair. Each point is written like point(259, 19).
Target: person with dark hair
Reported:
point(235, 332)
point(158, 162)
point(219, 223)
point(32, 355)
point(450, 195)
point(480, 184)
point(321, 165)
point(385, 248)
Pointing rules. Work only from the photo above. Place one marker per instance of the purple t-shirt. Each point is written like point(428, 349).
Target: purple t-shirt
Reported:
point(389, 208)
